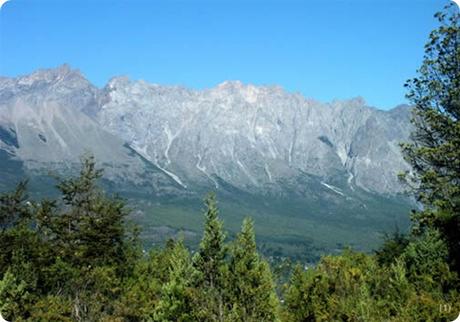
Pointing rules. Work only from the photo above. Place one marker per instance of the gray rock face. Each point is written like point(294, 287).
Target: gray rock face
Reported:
point(47, 122)
point(254, 138)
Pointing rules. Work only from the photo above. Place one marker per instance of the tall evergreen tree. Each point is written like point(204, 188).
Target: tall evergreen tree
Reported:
point(90, 230)
point(15, 221)
point(250, 284)
point(14, 207)
point(210, 265)
point(176, 302)
point(299, 296)
point(434, 153)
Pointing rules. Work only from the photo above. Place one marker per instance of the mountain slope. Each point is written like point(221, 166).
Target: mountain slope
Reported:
point(46, 124)
point(314, 175)
point(256, 137)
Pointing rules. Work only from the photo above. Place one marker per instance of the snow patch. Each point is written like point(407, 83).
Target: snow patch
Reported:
point(143, 151)
point(267, 171)
point(335, 189)
point(172, 175)
point(342, 153)
point(246, 172)
point(250, 94)
point(170, 137)
point(203, 169)
point(350, 180)
point(291, 147)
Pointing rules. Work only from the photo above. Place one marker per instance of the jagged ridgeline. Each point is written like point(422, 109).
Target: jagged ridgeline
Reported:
point(314, 176)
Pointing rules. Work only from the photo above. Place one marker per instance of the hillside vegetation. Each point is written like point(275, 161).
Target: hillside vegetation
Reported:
point(78, 259)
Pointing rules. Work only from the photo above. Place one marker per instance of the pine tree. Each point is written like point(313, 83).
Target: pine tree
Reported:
point(295, 308)
point(90, 231)
point(177, 300)
point(434, 153)
point(210, 265)
point(14, 207)
point(13, 296)
point(425, 258)
point(250, 284)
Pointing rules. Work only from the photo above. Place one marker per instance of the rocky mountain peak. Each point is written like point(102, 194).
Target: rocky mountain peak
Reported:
point(254, 138)
point(61, 74)
point(117, 82)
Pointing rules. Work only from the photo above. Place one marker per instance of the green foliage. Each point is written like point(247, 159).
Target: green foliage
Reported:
point(14, 296)
point(69, 258)
point(52, 308)
point(13, 207)
point(392, 248)
point(354, 287)
point(209, 259)
point(75, 259)
point(434, 153)
point(426, 259)
point(210, 266)
point(177, 298)
point(141, 290)
point(90, 230)
point(250, 285)
point(300, 228)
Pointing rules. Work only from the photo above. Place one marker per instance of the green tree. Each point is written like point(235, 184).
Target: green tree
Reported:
point(250, 284)
point(142, 289)
point(14, 296)
point(52, 308)
point(393, 246)
point(297, 302)
point(14, 207)
point(91, 228)
point(426, 261)
point(209, 262)
point(434, 152)
point(177, 296)
point(71, 258)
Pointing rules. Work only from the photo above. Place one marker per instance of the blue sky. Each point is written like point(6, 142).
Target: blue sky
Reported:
point(324, 49)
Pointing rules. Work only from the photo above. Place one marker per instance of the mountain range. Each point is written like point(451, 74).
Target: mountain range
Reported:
point(262, 144)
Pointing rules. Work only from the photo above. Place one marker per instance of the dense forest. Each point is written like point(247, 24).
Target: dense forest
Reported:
point(78, 258)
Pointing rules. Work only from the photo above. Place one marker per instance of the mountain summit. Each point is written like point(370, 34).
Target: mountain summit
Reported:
point(305, 170)
point(256, 138)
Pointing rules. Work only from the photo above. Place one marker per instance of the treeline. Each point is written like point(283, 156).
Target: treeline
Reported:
point(76, 259)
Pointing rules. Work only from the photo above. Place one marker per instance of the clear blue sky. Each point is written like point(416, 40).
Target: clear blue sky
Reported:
point(323, 49)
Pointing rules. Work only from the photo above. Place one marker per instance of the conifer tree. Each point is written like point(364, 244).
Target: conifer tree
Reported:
point(297, 307)
point(210, 265)
point(14, 207)
point(176, 302)
point(15, 221)
point(434, 153)
point(211, 253)
point(250, 284)
point(91, 230)
point(13, 296)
